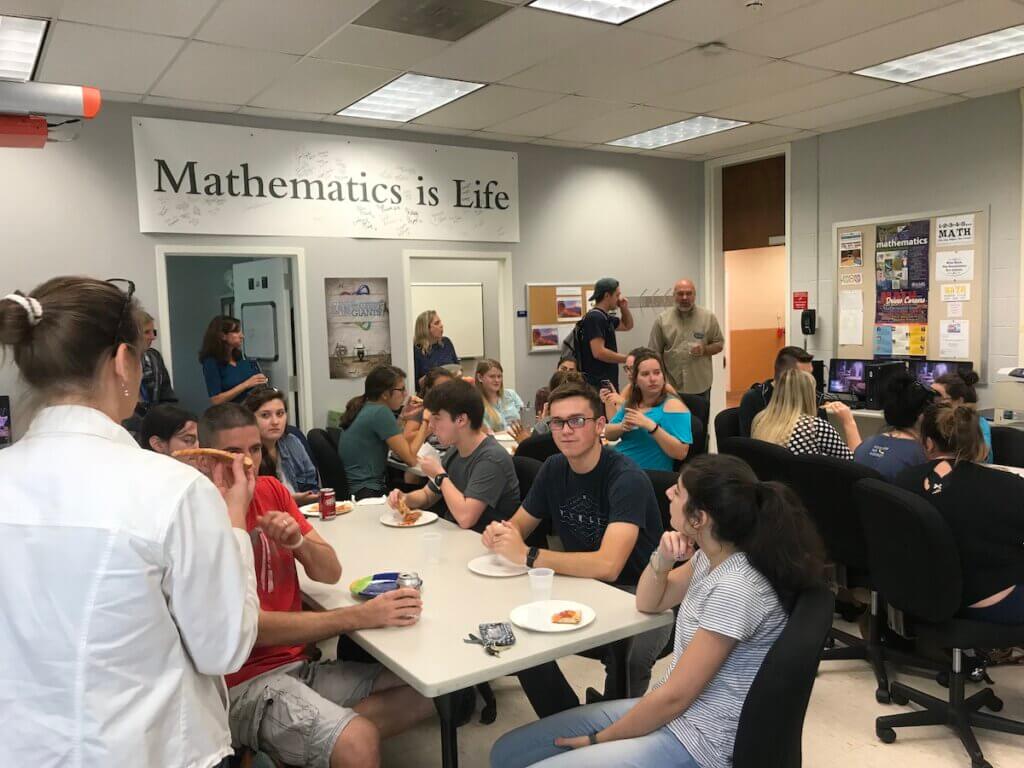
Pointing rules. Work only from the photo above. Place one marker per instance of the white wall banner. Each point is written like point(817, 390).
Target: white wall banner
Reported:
point(205, 178)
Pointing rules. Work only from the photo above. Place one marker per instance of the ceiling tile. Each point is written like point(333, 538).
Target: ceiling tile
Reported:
point(203, 106)
point(439, 130)
point(314, 85)
point(948, 24)
point(826, 21)
point(771, 141)
point(78, 54)
point(1007, 73)
point(44, 9)
point(274, 25)
point(689, 70)
point(487, 106)
point(777, 77)
point(379, 48)
point(507, 138)
point(737, 137)
point(993, 90)
point(907, 109)
point(509, 44)
point(707, 20)
point(892, 98)
point(805, 97)
point(622, 122)
point(559, 143)
point(218, 73)
point(556, 117)
point(586, 67)
point(177, 17)
point(280, 114)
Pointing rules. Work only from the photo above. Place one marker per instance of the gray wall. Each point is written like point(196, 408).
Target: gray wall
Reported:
point(464, 271)
point(71, 208)
point(195, 285)
point(955, 157)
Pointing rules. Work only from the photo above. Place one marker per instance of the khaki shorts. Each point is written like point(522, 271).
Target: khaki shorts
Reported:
point(295, 713)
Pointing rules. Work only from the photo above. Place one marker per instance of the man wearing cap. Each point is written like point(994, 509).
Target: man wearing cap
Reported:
point(599, 356)
point(687, 336)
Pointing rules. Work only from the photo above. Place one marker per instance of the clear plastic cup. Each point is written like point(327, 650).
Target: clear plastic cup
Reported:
point(541, 581)
point(431, 543)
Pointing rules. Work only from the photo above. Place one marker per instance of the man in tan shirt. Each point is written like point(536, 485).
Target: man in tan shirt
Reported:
point(687, 336)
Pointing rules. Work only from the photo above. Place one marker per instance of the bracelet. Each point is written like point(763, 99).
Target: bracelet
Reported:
point(656, 428)
point(593, 737)
point(656, 563)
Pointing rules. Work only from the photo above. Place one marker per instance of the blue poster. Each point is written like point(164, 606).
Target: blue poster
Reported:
point(883, 340)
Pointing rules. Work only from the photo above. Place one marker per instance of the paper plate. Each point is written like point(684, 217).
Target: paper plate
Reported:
point(496, 565)
point(377, 584)
point(392, 519)
point(369, 502)
point(537, 616)
point(313, 510)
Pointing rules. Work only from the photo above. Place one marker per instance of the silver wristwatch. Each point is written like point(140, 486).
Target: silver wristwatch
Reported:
point(656, 562)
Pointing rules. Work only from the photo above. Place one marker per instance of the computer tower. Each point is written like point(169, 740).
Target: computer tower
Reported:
point(875, 375)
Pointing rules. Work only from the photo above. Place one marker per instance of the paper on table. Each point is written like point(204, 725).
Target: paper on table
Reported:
point(954, 339)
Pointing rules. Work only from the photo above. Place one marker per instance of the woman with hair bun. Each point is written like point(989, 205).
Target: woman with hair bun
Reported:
point(748, 549)
point(983, 506)
point(140, 570)
point(959, 389)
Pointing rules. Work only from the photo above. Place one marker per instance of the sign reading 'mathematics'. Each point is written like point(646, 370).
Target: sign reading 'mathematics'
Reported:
point(206, 178)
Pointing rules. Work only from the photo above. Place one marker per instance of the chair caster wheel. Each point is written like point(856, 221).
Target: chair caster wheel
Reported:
point(899, 698)
point(882, 696)
point(887, 735)
point(995, 704)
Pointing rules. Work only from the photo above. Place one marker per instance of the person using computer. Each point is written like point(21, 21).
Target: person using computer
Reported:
point(903, 400)
point(791, 420)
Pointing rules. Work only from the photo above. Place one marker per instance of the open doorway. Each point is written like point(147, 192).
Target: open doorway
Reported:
point(263, 288)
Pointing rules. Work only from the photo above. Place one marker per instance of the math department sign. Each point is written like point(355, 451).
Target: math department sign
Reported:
point(205, 178)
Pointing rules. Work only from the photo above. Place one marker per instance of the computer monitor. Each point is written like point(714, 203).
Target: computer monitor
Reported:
point(927, 371)
point(847, 377)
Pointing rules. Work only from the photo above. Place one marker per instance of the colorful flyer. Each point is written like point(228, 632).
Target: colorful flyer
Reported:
point(956, 291)
point(851, 250)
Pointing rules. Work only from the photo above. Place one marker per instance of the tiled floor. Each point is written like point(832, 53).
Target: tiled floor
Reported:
point(839, 731)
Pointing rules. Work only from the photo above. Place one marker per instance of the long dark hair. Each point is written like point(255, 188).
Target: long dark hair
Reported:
point(256, 400)
point(960, 386)
point(379, 381)
point(164, 422)
point(764, 520)
point(214, 346)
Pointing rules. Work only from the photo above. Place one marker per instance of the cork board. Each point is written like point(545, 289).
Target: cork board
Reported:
point(957, 266)
point(552, 309)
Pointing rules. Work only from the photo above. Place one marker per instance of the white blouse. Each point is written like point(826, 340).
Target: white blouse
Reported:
point(125, 595)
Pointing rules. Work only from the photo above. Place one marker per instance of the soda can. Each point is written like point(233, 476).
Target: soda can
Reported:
point(410, 580)
point(327, 507)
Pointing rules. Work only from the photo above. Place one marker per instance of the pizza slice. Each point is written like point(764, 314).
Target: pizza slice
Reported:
point(409, 516)
point(567, 617)
point(213, 453)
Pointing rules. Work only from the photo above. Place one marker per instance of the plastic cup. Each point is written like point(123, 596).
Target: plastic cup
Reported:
point(541, 581)
point(431, 543)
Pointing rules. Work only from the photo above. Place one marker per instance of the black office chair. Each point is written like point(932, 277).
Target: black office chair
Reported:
point(1008, 446)
point(328, 462)
point(727, 424)
point(772, 719)
point(662, 481)
point(700, 407)
point(538, 447)
point(769, 461)
point(334, 436)
point(526, 473)
point(915, 564)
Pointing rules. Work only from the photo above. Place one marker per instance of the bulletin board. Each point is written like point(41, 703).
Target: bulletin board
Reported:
point(913, 287)
point(552, 310)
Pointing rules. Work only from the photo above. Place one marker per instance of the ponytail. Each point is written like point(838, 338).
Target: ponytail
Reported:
point(352, 409)
point(764, 520)
point(954, 429)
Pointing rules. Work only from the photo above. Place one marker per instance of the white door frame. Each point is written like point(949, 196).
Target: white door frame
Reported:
point(714, 254)
point(506, 337)
point(301, 313)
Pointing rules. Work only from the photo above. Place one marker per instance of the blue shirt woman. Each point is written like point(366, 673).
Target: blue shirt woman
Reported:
point(223, 377)
point(440, 353)
point(642, 448)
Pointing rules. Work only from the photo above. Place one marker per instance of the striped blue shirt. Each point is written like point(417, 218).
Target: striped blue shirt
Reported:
point(737, 601)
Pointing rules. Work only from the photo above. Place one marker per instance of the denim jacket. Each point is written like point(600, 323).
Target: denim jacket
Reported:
point(296, 465)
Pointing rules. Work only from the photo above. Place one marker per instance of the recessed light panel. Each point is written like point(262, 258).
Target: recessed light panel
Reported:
point(408, 97)
point(20, 42)
point(949, 58)
point(610, 11)
point(693, 128)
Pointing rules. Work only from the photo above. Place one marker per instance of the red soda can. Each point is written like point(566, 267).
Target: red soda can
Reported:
point(327, 508)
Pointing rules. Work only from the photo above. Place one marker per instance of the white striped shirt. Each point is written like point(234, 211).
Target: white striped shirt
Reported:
point(737, 601)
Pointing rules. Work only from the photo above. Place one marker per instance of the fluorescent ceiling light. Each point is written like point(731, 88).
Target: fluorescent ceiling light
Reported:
point(948, 58)
point(693, 128)
point(610, 11)
point(20, 42)
point(408, 97)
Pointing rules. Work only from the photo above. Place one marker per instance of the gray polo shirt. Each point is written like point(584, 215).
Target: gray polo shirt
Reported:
point(488, 475)
point(671, 337)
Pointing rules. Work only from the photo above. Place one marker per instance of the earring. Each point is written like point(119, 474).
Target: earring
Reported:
point(124, 388)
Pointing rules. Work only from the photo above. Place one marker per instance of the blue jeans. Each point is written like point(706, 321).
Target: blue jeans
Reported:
point(534, 744)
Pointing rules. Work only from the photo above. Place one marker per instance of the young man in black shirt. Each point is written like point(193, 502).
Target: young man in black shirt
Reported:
point(603, 508)
point(599, 355)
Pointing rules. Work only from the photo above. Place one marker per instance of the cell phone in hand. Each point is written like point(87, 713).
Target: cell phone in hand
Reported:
point(607, 384)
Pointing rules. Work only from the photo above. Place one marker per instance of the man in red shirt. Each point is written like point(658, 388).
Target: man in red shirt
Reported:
point(302, 712)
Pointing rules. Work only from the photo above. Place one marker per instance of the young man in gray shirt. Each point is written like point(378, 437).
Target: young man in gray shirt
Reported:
point(478, 479)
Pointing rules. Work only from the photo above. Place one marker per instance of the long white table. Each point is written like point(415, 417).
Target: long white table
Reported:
point(431, 655)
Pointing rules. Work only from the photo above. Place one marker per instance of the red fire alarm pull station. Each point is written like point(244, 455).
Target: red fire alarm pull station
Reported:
point(799, 299)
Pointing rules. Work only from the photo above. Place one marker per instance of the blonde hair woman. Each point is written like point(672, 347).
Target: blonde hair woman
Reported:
point(791, 420)
point(431, 348)
point(501, 406)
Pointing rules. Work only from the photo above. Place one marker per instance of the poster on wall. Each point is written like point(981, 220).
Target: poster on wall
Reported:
point(954, 265)
point(955, 230)
point(851, 250)
point(956, 292)
point(568, 304)
point(358, 325)
point(954, 339)
point(901, 272)
point(900, 340)
point(544, 338)
point(206, 178)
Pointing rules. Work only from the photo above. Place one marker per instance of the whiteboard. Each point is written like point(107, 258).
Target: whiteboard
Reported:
point(461, 307)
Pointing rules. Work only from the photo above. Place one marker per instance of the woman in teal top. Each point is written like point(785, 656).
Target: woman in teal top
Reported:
point(653, 425)
point(958, 389)
point(371, 429)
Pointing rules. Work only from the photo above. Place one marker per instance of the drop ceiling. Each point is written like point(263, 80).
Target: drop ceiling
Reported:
point(551, 79)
